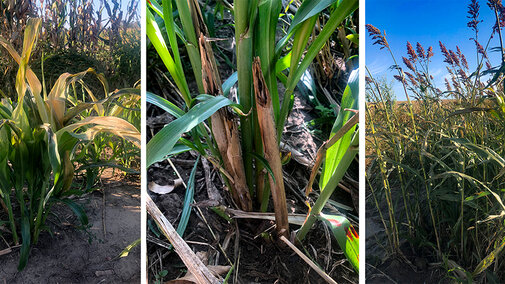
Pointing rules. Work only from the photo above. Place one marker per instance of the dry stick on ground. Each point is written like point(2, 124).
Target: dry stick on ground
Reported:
point(201, 273)
point(225, 129)
point(308, 261)
point(322, 150)
point(271, 147)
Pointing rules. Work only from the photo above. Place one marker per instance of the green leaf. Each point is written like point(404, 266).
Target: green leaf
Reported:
point(164, 104)
point(163, 142)
point(26, 236)
point(154, 33)
point(307, 10)
point(347, 237)
point(229, 83)
point(265, 164)
point(188, 198)
point(335, 153)
point(77, 209)
point(488, 260)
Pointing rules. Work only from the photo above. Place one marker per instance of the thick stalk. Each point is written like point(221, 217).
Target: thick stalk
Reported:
point(244, 47)
point(271, 148)
point(225, 129)
point(268, 12)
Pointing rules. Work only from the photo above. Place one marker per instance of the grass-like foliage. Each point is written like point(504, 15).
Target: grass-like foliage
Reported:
point(40, 131)
point(437, 162)
point(247, 152)
point(75, 35)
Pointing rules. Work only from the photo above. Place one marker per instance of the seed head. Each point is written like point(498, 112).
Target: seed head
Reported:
point(488, 65)
point(420, 50)
point(454, 57)
point(462, 57)
point(399, 78)
point(462, 74)
point(473, 11)
point(411, 52)
point(430, 52)
point(408, 63)
point(377, 35)
point(447, 85)
point(445, 52)
point(480, 49)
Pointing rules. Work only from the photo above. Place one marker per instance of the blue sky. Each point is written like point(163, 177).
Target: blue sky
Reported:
point(425, 22)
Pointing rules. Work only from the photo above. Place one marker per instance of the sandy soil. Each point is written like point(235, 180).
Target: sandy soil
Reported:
point(72, 255)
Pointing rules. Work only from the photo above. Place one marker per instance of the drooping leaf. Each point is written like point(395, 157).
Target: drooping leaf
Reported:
point(163, 142)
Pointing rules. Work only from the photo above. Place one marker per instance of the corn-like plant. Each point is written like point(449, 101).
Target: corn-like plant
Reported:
point(40, 132)
point(247, 153)
point(438, 159)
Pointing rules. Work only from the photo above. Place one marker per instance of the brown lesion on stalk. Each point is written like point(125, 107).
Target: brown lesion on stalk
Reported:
point(225, 130)
point(271, 147)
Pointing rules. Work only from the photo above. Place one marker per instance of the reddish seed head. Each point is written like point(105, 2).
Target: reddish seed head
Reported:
point(447, 85)
point(473, 12)
point(420, 50)
point(488, 65)
point(399, 78)
point(454, 57)
point(462, 74)
point(376, 35)
point(446, 53)
point(480, 49)
point(411, 52)
point(430, 52)
point(462, 57)
point(408, 64)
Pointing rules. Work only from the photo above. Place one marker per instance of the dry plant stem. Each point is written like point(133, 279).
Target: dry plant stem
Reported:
point(190, 259)
point(321, 153)
point(225, 130)
point(427, 188)
point(397, 149)
point(392, 230)
point(271, 148)
point(319, 271)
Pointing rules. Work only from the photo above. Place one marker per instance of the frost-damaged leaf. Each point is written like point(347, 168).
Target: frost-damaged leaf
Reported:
point(225, 130)
point(271, 147)
point(347, 237)
point(98, 124)
point(488, 260)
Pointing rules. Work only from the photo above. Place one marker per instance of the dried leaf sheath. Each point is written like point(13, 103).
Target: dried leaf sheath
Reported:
point(271, 148)
point(225, 130)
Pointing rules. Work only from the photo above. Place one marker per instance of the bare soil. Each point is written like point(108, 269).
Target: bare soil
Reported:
point(249, 245)
point(72, 255)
